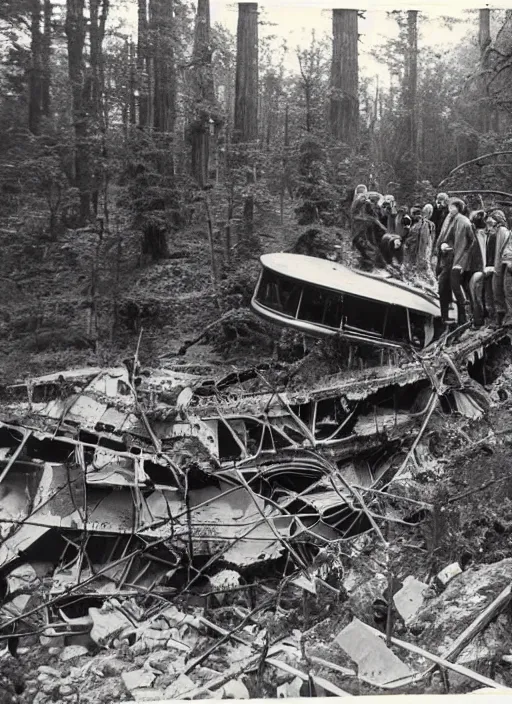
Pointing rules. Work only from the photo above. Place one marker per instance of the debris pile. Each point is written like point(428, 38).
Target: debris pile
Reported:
point(160, 529)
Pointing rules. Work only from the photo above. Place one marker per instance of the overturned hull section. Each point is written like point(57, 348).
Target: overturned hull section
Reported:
point(322, 298)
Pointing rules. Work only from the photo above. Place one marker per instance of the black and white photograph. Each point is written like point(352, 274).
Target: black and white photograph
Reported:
point(255, 350)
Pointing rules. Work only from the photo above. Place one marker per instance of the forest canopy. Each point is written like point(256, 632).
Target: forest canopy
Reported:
point(131, 130)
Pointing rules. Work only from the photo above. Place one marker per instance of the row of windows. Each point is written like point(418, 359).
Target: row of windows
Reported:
point(313, 304)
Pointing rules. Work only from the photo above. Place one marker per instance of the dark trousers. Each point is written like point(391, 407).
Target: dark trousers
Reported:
point(458, 280)
point(445, 290)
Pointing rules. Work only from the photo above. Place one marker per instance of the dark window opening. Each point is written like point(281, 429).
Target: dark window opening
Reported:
point(229, 449)
point(279, 293)
point(159, 474)
point(330, 413)
point(417, 328)
point(321, 306)
point(268, 443)
point(254, 432)
point(364, 314)
point(305, 412)
point(396, 327)
point(107, 443)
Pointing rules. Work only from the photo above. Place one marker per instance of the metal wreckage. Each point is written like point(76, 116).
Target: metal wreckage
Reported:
point(127, 481)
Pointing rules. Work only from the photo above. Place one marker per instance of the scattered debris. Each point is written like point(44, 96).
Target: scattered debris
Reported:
point(449, 572)
point(409, 599)
point(376, 663)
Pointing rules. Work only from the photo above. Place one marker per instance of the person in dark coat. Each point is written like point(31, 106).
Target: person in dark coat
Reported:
point(481, 269)
point(388, 213)
point(454, 247)
point(366, 231)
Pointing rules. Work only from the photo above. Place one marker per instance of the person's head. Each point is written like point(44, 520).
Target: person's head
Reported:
point(374, 197)
point(455, 206)
point(360, 190)
point(477, 218)
point(500, 218)
point(490, 222)
point(388, 204)
point(427, 211)
point(441, 199)
point(415, 213)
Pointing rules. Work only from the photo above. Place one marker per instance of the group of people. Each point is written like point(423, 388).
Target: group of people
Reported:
point(466, 256)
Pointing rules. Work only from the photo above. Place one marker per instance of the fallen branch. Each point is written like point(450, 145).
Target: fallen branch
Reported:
point(460, 669)
point(432, 405)
point(480, 623)
point(467, 163)
point(189, 343)
point(317, 680)
point(485, 192)
point(475, 490)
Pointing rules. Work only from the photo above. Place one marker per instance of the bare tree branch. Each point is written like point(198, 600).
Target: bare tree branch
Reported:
point(471, 161)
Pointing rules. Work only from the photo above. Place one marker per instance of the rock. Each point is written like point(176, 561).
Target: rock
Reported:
point(234, 689)
point(177, 645)
point(179, 687)
point(448, 573)
point(446, 616)
point(364, 593)
point(112, 667)
point(290, 690)
point(137, 679)
point(73, 651)
point(52, 642)
point(49, 687)
point(65, 690)
point(51, 671)
point(409, 599)
point(107, 623)
point(376, 662)
point(144, 695)
point(54, 650)
point(176, 666)
point(160, 659)
point(40, 698)
point(159, 624)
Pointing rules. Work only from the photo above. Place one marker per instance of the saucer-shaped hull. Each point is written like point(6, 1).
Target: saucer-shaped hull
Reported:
point(324, 298)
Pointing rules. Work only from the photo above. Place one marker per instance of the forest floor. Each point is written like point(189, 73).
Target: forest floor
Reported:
point(464, 466)
point(46, 322)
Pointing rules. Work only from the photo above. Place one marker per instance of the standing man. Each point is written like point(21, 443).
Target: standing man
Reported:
point(454, 246)
point(440, 212)
point(481, 268)
point(499, 280)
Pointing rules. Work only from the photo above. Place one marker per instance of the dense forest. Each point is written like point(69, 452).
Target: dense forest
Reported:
point(141, 175)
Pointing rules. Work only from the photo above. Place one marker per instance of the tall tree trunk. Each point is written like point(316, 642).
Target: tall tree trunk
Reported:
point(94, 88)
point(246, 81)
point(245, 128)
point(75, 27)
point(132, 105)
point(143, 63)
point(411, 87)
point(46, 58)
point(344, 106)
point(164, 99)
point(35, 75)
point(204, 95)
point(484, 41)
